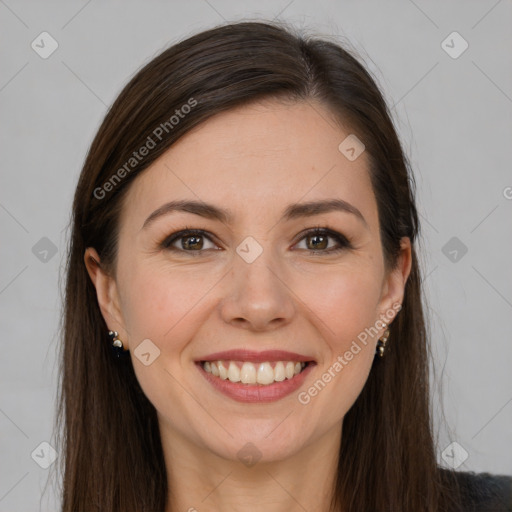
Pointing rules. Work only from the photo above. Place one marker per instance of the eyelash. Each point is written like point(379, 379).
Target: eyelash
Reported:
point(343, 242)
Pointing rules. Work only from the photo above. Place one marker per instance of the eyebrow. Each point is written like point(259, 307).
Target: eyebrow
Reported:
point(293, 211)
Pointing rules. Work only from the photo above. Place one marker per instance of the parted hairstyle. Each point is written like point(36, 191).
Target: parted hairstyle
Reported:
point(109, 441)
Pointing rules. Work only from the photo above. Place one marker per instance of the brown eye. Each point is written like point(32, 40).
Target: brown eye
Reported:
point(187, 241)
point(318, 241)
point(192, 242)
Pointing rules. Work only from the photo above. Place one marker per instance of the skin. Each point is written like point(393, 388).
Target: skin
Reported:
point(255, 160)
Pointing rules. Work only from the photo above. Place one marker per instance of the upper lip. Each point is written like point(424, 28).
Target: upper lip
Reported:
point(255, 357)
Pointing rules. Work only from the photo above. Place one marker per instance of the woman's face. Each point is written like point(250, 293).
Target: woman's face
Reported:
point(252, 280)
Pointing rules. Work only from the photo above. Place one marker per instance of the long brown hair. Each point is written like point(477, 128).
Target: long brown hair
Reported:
point(111, 450)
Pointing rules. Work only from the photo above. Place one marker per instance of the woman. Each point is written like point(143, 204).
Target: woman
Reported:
point(243, 239)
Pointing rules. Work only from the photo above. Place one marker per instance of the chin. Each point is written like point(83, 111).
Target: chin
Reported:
point(269, 444)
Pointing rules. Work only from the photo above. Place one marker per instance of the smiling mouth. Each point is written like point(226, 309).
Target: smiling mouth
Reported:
point(263, 373)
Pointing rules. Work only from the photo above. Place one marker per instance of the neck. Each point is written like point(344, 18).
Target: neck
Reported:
point(199, 479)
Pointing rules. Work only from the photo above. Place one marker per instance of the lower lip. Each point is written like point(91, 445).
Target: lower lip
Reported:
point(256, 393)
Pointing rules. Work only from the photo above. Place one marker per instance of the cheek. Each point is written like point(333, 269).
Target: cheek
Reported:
point(344, 301)
point(159, 302)
point(344, 305)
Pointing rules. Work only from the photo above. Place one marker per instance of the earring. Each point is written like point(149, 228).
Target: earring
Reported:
point(116, 344)
point(381, 344)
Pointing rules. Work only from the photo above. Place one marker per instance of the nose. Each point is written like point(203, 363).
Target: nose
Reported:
point(258, 297)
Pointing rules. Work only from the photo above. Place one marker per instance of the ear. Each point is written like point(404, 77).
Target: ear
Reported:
point(106, 292)
point(394, 283)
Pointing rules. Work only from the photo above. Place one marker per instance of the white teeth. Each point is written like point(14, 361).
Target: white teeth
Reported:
point(223, 373)
point(265, 374)
point(233, 372)
point(279, 374)
point(289, 370)
point(248, 373)
point(261, 373)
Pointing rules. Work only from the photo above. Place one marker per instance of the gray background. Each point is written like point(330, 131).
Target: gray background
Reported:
point(453, 114)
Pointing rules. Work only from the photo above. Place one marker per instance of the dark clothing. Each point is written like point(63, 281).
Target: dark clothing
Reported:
point(485, 492)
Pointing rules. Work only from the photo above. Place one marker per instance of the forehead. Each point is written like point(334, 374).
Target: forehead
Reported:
point(257, 158)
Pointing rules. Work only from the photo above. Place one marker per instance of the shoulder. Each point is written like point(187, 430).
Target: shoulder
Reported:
point(482, 492)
